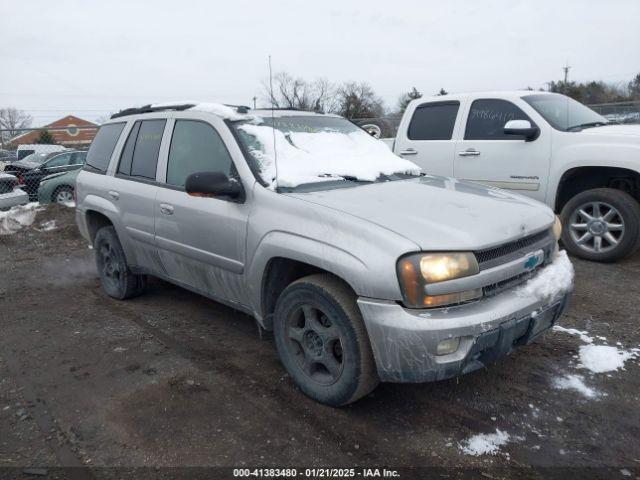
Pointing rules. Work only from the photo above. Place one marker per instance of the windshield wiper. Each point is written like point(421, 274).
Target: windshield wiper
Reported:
point(586, 125)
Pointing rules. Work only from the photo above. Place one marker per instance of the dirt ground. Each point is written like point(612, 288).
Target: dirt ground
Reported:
point(171, 379)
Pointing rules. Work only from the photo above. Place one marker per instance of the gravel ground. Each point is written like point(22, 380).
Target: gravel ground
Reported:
point(171, 379)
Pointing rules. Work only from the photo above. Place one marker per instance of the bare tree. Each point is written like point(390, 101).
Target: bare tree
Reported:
point(13, 120)
point(358, 100)
point(291, 92)
point(103, 118)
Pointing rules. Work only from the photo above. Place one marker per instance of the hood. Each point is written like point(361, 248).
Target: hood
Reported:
point(613, 130)
point(440, 213)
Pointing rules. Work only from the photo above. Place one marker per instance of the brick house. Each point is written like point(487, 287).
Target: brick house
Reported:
point(72, 136)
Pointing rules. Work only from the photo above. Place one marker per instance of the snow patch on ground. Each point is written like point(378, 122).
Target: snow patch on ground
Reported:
point(485, 443)
point(603, 358)
point(553, 280)
point(575, 382)
point(304, 157)
point(18, 217)
point(572, 331)
point(47, 226)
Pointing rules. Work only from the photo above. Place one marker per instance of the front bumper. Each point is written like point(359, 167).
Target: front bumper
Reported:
point(405, 341)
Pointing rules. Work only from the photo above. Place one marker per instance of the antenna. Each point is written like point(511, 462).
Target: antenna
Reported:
point(273, 123)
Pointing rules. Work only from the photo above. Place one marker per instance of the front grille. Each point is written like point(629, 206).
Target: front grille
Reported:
point(508, 283)
point(507, 252)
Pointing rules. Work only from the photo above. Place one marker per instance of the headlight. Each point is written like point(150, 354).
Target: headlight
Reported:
point(557, 228)
point(416, 271)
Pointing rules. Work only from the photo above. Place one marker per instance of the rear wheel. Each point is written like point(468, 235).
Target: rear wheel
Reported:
point(115, 276)
point(602, 225)
point(322, 341)
point(63, 194)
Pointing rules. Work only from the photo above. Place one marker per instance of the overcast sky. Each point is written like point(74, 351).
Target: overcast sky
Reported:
point(94, 57)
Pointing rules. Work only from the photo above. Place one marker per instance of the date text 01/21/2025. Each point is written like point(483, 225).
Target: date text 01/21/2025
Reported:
point(315, 473)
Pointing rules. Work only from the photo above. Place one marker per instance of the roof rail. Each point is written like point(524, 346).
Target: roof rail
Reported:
point(239, 108)
point(150, 109)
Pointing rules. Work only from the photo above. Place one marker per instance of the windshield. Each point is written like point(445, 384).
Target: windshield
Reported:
point(564, 113)
point(36, 157)
point(315, 149)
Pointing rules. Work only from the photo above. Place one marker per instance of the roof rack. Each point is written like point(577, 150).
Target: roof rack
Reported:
point(150, 109)
point(239, 108)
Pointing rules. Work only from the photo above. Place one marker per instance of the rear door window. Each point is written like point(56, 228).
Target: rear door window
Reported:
point(102, 146)
point(433, 121)
point(77, 158)
point(487, 118)
point(140, 154)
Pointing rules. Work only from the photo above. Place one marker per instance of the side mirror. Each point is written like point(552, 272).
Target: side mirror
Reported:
point(213, 184)
point(522, 128)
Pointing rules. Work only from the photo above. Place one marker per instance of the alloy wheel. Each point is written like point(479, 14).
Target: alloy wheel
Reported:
point(315, 342)
point(596, 227)
point(64, 196)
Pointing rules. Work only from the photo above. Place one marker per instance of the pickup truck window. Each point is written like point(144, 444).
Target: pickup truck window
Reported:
point(564, 113)
point(196, 147)
point(140, 154)
point(487, 118)
point(433, 121)
point(102, 146)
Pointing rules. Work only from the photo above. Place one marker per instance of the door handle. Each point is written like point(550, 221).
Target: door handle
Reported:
point(113, 194)
point(409, 151)
point(166, 209)
point(469, 152)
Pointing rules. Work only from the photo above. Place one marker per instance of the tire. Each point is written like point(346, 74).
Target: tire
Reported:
point(62, 194)
point(616, 221)
point(322, 341)
point(115, 276)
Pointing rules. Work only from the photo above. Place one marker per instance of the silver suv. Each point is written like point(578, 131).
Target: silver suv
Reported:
point(365, 268)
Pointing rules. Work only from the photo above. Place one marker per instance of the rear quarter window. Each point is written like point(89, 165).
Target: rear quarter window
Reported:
point(102, 147)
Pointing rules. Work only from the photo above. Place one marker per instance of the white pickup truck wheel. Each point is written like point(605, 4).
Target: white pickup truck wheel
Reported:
point(602, 225)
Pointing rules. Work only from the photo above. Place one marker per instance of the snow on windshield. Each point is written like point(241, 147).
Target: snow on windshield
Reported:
point(310, 157)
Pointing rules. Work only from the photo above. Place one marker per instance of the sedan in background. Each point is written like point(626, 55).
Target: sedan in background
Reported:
point(58, 188)
point(32, 169)
point(10, 193)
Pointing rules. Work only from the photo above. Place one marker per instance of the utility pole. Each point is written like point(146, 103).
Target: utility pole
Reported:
point(566, 69)
point(254, 102)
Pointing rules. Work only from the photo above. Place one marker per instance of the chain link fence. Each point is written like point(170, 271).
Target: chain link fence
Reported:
point(619, 112)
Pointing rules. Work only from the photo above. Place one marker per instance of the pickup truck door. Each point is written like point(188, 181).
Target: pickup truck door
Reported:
point(485, 154)
point(425, 136)
point(201, 241)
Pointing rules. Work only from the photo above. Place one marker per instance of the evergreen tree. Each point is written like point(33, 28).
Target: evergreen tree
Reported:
point(46, 138)
point(406, 98)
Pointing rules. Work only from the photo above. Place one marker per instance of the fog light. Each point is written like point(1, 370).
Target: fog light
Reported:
point(450, 345)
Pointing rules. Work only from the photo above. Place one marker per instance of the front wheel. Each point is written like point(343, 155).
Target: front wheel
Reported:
point(601, 225)
point(322, 341)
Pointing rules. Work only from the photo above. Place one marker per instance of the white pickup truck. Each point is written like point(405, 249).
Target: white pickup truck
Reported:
point(543, 145)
